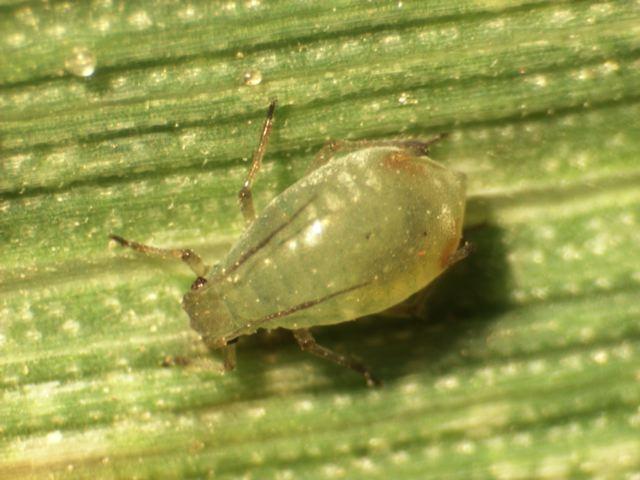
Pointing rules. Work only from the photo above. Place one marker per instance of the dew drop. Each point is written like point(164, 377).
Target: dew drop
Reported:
point(140, 19)
point(54, 437)
point(71, 327)
point(81, 62)
point(540, 81)
point(252, 77)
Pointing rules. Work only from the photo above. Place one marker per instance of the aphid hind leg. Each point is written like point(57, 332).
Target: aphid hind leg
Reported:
point(308, 344)
point(330, 148)
point(460, 254)
point(229, 357)
point(244, 195)
point(188, 256)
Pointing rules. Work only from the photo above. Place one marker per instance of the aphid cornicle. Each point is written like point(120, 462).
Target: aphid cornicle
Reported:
point(371, 223)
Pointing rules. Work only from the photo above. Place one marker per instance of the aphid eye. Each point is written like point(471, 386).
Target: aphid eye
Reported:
point(198, 283)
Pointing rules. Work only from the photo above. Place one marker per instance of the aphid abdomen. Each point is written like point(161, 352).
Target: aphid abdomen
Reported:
point(354, 237)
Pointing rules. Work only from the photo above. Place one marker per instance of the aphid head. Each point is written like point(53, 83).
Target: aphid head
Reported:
point(208, 313)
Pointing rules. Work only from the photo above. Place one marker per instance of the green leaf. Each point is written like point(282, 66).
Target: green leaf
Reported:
point(137, 118)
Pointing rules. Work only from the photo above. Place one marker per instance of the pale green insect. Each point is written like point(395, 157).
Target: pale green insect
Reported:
point(369, 224)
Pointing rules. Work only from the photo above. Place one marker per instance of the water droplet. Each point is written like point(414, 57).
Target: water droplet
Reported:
point(600, 357)
point(16, 40)
point(140, 20)
point(540, 80)
point(71, 326)
point(81, 62)
point(610, 66)
point(252, 77)
point(54, 437)
point(304, 406)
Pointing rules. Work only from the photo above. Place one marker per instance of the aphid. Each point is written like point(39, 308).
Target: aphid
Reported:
point(369, 224)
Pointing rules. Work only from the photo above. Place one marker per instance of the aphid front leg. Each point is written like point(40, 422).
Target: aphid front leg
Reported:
point(308, 344)
point(244, 195)
point(188, 256)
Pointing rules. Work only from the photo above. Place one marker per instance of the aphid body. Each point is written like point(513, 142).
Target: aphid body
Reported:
point(367, 226)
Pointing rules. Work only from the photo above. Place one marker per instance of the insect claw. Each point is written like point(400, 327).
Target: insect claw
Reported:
point(272, 107)
point(118, 239)
point(372, 382)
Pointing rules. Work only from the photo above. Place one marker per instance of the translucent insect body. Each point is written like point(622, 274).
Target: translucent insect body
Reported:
point(370, 224)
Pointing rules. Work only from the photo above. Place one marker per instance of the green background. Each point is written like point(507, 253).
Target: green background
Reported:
point(523, 361)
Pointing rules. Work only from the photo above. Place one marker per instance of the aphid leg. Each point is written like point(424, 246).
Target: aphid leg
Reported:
point(421, 146)
point(229, 357)
point(189, 257)
point(327, 151)
point(308, 344)
point(460, 254)
point(330, 148)
point(244, 195)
